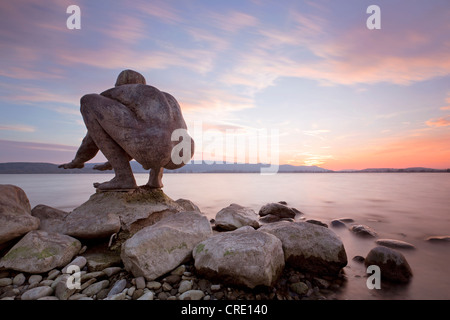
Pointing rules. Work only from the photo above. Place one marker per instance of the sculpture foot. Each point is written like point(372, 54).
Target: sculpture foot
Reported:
point(103, 167)
point(154, 185)
point(72, 165)
point(115, 184)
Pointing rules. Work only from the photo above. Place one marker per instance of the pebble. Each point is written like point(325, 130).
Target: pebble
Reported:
point(35, 278)
point(192, 295)
point(36, 293)
point(147, 296)
point(88, 283)
point(179, 271)
point(7, 298)
point(82, 250)
point(118, 287)
point(91, 275)
point(48, 298)
point(4, 274)
point(172, 279)
point(95, 287)
point(166, 286)
point(140, 283)
point(163, 296)
point(300, 288)
point(153, 285)
point(79, 261)
point(53, 274)
point(185, 285)
point(138, 293)
point(5, 282)
point(215, 287)
point(131, 291)
point(396, 244)
point(19, 280)
point(337, 224)
point(111, 271)
point(77, 296)
point(118, 296)
point(46, 283)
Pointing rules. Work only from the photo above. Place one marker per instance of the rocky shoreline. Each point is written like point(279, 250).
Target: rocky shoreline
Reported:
point(160, 249)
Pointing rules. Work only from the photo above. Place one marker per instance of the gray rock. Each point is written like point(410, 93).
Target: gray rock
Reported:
point(188, 205)
point(317, 222)
point(117, 287)
point(111, 271)
point(309, 247)
point(5, 282)
point(279, 210)
point(192, 295)
point(153, 285)
point(46, 283)
point(393, 264)
point(243, 257)
point(36, 293)
point(338, 224)
point(179, 271)
point(92, 275)
point(53, 274)
point(300, 288)
point(235, 216)
point(185, 285)
point(117, 296)
point(99, 259)
point(51, 219)
point(158, 249)
point(346, 219)
point(140, 283)
point(35, 278)
point(39, 251)
point(19, 280)
point(270, 218)
point(48, 298)
point(438, 238)
point(79, 261)
point(62, 290)
point(15, 214)
point(147, 296)
point(396, 244)
point(77, 296)
point(215, 287)
point(95, 288)
point(363, 230)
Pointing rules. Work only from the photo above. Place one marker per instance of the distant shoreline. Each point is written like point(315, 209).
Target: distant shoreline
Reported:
point(50, 168)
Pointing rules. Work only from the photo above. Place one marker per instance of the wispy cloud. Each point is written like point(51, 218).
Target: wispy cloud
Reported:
point(17, 127)
point(439, 122)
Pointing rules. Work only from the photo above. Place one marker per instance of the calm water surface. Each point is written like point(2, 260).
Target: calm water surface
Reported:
point(403, 206)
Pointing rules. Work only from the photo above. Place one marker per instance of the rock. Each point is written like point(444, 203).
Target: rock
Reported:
point(131, 291)
point(158, 249)
point(283, 202)
point(100, 258)
point(358, 259)
point(147, 296)
point(346, 219)
point(36, 293)
point(95, 288)
point(48, 298)
point(215, 287)
point(5, 282)
point(192, 295)
point(317, 222)
point(300, 288)
point(53, 274)
point(244, 257)
point(163, 295)
point(15, 214)
point(185, 285)
point(166, 286)
point(35, 278)
point(393, 264)
point(278, 209)
point(91, 275)
point(396, 244)
point(153, 285)
point(40, 251)
point(118, 296)
point(179, 271)
point(270, 218)
point(172, 279)
point(51, 219)
point(438, 238)
point(77, 296)
point(235, 216)
point(19, 280)
point(338, 224)
point(62, 290)
point(363, 230)
point(187, 205)
point(46, 283)
point(140, 283)
point(138, 293)
point(117, 287)
point(88, 283)
point(79, 261)
point(309, 247)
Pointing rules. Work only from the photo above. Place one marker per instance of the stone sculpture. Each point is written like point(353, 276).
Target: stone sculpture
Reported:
point(131, 121)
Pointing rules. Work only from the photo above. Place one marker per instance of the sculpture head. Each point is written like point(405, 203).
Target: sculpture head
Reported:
point(129, 77)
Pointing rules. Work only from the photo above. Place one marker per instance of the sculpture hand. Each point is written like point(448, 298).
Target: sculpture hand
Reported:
point(72, 165)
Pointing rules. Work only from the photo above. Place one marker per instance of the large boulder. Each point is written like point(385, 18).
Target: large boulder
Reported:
point(243, 257)
point(40, 251)
point(235, 216)
point(15, 214)
point(159, 248)
point(393, 264)
point(106, 213)
point(309, 247)
point(279, 210)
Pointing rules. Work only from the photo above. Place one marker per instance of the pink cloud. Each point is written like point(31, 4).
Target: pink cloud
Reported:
point(439, 122)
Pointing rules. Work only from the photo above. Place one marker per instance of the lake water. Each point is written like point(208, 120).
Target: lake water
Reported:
point(403, 206)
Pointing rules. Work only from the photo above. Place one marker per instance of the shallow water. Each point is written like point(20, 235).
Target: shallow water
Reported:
point(403, 206)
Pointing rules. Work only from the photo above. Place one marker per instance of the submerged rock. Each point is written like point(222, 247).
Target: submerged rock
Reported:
point(244, 257)
point(438, 238)
point(317, 222)
point(160, 248)
point(393, 264)
point(15, 214)
point(363, 230)
point(235, 216)
point(309, 247)
point(188, 205)
point(396, 244)
point(40, 251)
point(338, 224)
point(279, 210)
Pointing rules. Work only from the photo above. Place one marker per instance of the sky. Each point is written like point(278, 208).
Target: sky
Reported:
point(309, 74)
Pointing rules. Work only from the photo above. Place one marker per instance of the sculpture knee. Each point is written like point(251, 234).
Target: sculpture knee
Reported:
point(87, 101)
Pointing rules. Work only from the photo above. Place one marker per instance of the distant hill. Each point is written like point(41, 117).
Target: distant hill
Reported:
point(38, 167)
point(35, 167)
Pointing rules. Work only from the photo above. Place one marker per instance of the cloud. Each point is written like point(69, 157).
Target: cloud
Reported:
point(233, 21)
point(439, 122)
point(17, 127)
point(159, 9)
